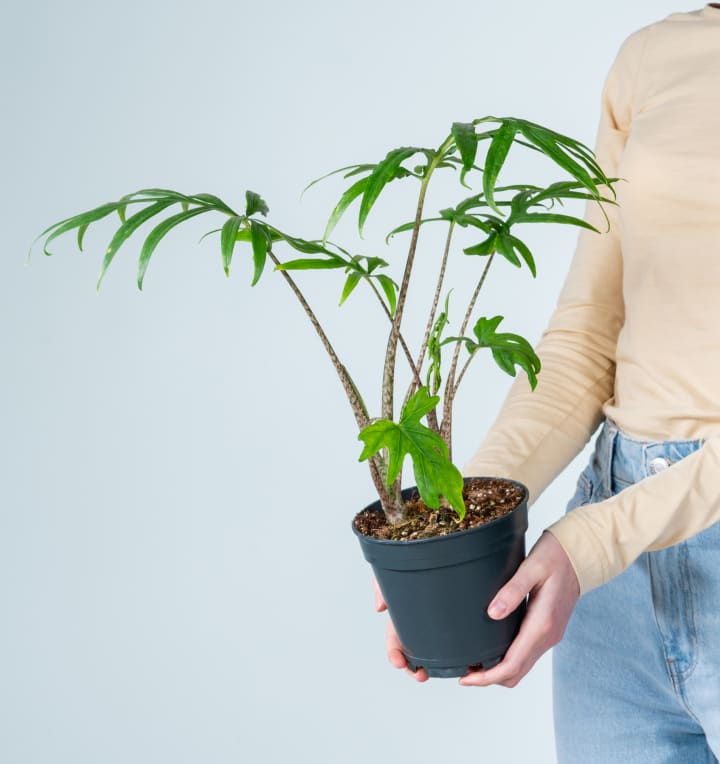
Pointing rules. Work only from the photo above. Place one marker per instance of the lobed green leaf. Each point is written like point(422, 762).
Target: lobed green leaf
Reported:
point(435, 474)
point(508, 350)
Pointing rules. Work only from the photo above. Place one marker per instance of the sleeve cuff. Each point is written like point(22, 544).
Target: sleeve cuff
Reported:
point(583, 549)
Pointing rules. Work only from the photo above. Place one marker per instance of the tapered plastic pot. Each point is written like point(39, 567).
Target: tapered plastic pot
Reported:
point(437, 591)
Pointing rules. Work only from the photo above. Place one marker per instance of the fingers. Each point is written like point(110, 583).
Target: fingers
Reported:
point(530, 573)
point(393, 647)
point(509, 597)
point(396, 656)
point(533, 639)
point(392, 643)
point(548, 577)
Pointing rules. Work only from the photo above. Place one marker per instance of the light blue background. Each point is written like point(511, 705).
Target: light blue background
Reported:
point(178, 580)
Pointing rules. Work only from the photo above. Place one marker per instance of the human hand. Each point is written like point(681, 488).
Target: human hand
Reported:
point(548, 576)
point(392, 643)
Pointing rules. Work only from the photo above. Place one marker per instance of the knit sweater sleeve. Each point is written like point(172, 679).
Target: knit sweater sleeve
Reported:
point(537, 433)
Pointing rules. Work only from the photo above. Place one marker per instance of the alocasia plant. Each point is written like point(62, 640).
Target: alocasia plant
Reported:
point(386, 441)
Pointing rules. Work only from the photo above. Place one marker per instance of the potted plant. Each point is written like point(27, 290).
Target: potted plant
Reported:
point(440, 550)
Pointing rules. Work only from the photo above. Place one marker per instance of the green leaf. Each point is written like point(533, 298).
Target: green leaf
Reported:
point(390, 288)
point(77, 221)
point(520, 202)
point(496, 154)
point(311, 264)
point(355, 169)
point(301, 245)
point(383, 173)
point(486, 247)
point(373, 263)
point(255, 203)
point(212, 201)
point(260, 244)
point(467, 143)
point(228, 237)
point(147, 194)
point(244, 234)
point(127, 229)
point(155, 236)
point(346, 200)
point(435, 474)
point(545, 140)
point(553, 217)
point(525, 253)
point(478, 200)
point(470, 345)
point(471, 220)
point(122, 207)
point(508, 350)
point(410, 225)
point(434, 348)
point(505, 248)
point(351, 282)
point(81, 234)
point(484, 329)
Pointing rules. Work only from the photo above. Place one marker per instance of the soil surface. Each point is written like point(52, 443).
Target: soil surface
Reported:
point(485, 499)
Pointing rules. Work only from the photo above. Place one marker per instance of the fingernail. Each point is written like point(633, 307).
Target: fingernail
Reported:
point(497, 609)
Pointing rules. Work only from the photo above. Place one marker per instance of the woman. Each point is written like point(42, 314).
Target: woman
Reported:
point(627, 583)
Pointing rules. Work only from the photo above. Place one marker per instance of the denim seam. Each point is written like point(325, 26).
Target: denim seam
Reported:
point(678, 676)
point(690, 611)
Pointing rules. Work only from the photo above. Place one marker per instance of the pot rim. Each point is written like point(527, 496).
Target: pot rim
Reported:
point(446, 536)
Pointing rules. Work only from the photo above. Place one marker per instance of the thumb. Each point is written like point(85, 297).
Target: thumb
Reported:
point(511, 594)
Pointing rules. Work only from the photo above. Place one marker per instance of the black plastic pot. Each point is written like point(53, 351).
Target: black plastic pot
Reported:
point(437, 591)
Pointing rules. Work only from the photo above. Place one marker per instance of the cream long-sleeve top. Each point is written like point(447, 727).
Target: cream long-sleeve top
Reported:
point(635, 335)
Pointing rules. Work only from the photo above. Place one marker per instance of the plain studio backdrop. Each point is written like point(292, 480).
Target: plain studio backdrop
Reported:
point(178, 578)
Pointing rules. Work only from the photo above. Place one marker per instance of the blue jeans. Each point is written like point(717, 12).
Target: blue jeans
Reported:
point(636, 676)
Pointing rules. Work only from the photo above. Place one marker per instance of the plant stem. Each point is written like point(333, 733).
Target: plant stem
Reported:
point(462, 372)
point(376, 463)
point(450, 386)
point(356, 402)
point(431, 318)
point(406, 349)
point(388, 387)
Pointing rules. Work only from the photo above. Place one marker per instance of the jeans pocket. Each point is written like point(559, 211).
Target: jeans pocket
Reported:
point(584, 489)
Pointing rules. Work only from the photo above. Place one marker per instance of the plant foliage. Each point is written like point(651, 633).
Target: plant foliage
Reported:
point(490, 216)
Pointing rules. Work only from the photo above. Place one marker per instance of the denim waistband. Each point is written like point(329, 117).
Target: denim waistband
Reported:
point(621, 457)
